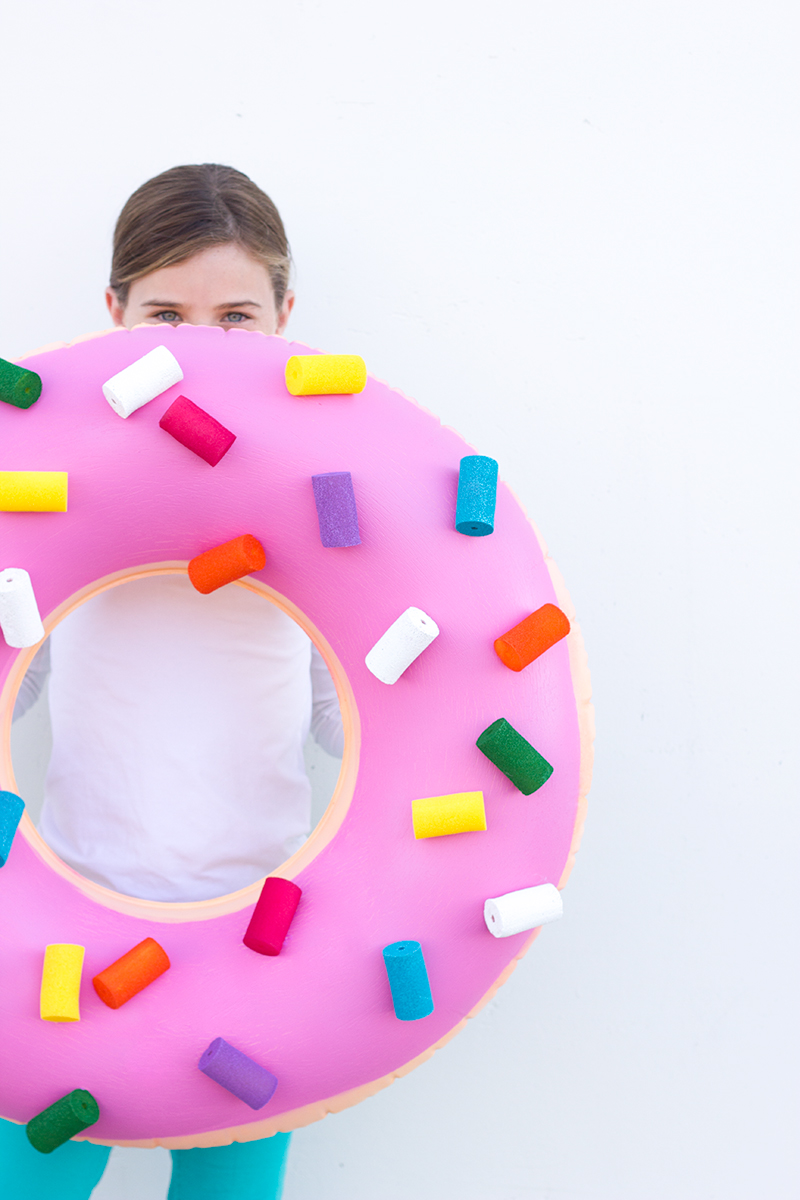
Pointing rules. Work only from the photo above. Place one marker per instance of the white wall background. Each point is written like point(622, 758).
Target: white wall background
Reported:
point(571, 230)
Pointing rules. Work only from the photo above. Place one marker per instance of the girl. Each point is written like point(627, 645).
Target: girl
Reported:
point(195, 786)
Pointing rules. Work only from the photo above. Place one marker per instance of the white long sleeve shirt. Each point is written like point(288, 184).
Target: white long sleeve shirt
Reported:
point(178, 729)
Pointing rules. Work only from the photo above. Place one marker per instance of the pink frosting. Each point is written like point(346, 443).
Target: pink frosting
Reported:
point(320, 1015)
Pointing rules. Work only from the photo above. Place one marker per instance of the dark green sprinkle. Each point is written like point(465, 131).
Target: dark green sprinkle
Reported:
point(18, 386)
point(62, 1120)
point(514, 756)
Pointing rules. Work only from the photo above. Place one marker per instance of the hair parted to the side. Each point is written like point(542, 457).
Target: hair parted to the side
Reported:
point(187, 209)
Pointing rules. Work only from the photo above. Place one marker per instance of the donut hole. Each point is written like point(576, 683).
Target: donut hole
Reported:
point(144, 676)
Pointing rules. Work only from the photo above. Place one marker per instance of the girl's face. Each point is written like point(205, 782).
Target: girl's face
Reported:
point(223, 285)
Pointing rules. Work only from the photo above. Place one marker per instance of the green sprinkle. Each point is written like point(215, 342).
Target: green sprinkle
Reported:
point(514, 756)
point(62, 1120)
point(18, 386)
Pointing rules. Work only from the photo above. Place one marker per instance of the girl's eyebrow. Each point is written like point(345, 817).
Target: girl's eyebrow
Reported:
point(177, 304)
point(240, 304)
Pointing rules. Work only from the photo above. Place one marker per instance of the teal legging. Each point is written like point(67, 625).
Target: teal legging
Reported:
point(242, 1171)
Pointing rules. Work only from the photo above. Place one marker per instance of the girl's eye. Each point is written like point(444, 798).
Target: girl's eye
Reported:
point(168, 315)
point(235, 318)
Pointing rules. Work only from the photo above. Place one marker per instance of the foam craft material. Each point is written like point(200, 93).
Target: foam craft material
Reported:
point(336, 509)
point(11, 810)
point(477, 495)
point(403, 642)
point(527, 641)
point(61, 982)
point(225, 564)
point(519, 911)
point(512, 754)
point(325, 374)
point(19, 613)
point(319, 1015)
point(141, 381)
point(18, 386)
point(408, 980)
point(272, 916)
point(461, 812)
point(131, 973)
point(197, 430)
point(238, 1073)
point(61, 1121)
point(33, 491)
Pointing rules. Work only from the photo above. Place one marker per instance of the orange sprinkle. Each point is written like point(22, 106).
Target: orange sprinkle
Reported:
point(537, 633)
point(129, 974)
point(232, 560)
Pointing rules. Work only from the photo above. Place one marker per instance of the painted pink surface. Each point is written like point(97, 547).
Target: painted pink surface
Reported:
point(320, 1014)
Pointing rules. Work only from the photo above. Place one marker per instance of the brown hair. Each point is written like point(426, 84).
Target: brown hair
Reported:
point(187, 209)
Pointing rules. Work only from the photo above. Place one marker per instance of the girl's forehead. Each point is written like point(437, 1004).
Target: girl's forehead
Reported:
point(216, 269)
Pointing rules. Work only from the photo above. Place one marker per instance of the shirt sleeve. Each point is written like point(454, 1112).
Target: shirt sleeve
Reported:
point(326, 716)
point(31, 687)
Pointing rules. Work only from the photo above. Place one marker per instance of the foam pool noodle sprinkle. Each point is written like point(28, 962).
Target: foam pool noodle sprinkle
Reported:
point(401, 644)
point(520, 646)
point(477, 495)
point(11, 810)
point(527, 908)
point(20, 619)
point(141, 381)
point(131, 973)
point(336, 509)
point(227, 563)
point(238, 1073)
point(272, 916)
point(436, 816)
point(54, 1126)
point(61, 982)
point(18, 385)
point(197, 430)
point(325, 374)
point(408, 980)
point(514, 756)
point(33, 491)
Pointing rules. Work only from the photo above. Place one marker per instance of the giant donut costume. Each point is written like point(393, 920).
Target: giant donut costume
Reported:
point(320, 1014)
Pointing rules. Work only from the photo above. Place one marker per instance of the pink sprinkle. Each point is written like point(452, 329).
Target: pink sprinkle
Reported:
point(197, 430)
point(272, 916)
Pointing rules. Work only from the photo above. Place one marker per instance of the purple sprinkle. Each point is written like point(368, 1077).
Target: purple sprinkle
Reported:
point(239, 1074)
point(336, 509)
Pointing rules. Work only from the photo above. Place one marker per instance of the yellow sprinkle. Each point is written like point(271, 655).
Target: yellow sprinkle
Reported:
point(326, 374)
point(33, 491)
point(462, 812)
point(61, 982)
